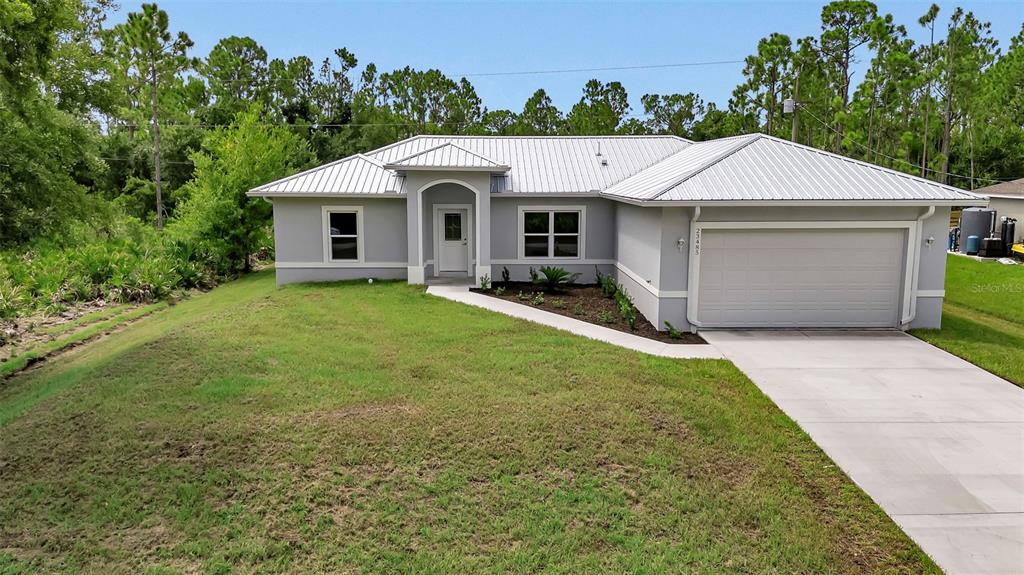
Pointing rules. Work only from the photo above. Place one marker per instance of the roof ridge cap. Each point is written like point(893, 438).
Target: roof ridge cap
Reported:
point(472, 153)
point(745, 140)
point(394, 144)
point(689, 143)
point(419, 153)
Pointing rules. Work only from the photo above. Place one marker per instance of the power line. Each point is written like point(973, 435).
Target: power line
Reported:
point(900, 160)
point(147, 160)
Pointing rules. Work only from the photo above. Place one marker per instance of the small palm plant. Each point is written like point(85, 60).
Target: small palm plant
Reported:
point(554, 279)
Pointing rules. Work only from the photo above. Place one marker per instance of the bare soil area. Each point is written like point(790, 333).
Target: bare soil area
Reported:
point(586, 303)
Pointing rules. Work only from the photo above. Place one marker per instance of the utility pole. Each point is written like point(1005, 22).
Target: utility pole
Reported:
point(156, 149)
point(793, 104)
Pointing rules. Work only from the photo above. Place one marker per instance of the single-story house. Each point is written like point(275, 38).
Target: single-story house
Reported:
point(1007, 199)
point(743, 232)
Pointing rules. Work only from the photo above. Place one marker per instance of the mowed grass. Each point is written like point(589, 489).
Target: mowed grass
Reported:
point(983, 316)
point(376, 429)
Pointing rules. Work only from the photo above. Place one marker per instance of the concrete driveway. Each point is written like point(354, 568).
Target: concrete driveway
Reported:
point(937, 442)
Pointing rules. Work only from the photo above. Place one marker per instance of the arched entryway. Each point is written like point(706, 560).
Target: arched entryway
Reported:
point(449, 231)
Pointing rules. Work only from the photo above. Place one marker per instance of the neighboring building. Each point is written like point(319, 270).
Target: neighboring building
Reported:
point(1007, 199)
point(749, 231)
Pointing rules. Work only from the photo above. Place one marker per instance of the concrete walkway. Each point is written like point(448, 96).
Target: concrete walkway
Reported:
point(642, 344)
point(937, 442)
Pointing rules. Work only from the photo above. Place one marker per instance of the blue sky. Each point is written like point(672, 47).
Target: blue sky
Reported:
point(486, 37)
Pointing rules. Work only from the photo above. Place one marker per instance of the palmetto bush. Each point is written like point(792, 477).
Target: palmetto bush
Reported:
point(554, 279)
point(135, 267)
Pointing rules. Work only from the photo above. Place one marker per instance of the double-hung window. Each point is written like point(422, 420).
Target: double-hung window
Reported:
point(552, 233)
point(343, 234)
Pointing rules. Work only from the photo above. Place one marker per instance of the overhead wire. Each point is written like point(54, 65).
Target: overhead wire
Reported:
point(900, 160)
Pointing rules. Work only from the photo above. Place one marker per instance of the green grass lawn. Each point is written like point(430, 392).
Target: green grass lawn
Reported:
point(356, 428)
point(983, 316)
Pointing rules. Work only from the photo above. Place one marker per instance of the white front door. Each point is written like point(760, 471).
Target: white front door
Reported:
point(453, 240)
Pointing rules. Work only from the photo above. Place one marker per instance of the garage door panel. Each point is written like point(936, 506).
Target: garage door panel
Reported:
point(801, 278)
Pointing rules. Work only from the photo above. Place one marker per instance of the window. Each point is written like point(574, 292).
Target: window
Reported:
point(552, 233)
point(452, 227)
point(343, 226)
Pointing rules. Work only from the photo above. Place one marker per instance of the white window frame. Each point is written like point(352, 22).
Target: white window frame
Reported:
point(360, 236)
point(581, 234)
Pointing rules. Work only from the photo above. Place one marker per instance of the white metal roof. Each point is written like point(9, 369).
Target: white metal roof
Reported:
point(447, 156)
point(659, 178)
point(757, 167)
point(551, 164)
point(356, 174)
point(655, 169)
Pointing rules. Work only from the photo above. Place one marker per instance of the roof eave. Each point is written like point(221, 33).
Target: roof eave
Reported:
point(819, 203)
point(491, 169)
point(273, 194)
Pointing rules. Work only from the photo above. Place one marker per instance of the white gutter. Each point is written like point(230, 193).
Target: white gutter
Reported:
point(917, 265)
point(692, 273)
point(966, 202)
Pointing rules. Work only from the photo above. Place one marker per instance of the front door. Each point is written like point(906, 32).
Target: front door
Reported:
point(453, 246)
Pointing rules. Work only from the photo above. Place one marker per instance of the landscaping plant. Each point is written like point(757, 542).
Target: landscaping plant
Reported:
point(608, 285)
point(555, 279)
point(673, 332)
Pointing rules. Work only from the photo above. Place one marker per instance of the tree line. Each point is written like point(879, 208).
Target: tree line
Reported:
point(98, 119)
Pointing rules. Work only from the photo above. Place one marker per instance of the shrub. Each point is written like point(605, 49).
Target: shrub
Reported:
point(485, 282)
point(522, 296)
point(608, 285)
point(499, 290)
point(558, 303)
point(555, 278)
point(538, 299)
point(505, 275)
point(606, 316)
point(672, 331)
point(12, 299)
point(577, 309)
point(626, 308)
point(533, 275)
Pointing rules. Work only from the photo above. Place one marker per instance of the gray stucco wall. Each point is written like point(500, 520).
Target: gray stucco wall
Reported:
point(638, 252)
point(639, 245)
point(421, 185)
point(932, 273)
point(299, 239)
point(599, 237)
point(1013, 208)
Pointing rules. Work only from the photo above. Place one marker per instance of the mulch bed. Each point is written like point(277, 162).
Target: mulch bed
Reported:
point(586, 303)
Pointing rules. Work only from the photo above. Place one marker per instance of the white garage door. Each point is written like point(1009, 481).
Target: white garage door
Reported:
point(800, 278)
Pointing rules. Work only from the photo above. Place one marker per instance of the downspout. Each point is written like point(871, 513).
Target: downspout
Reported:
point(691, 280)
point(917, 266)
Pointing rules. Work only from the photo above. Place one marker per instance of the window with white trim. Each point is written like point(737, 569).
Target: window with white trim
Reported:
point(552, 234)
point(343, 234)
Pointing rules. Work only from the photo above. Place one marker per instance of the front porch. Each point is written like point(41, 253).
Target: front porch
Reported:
point(450, 243)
